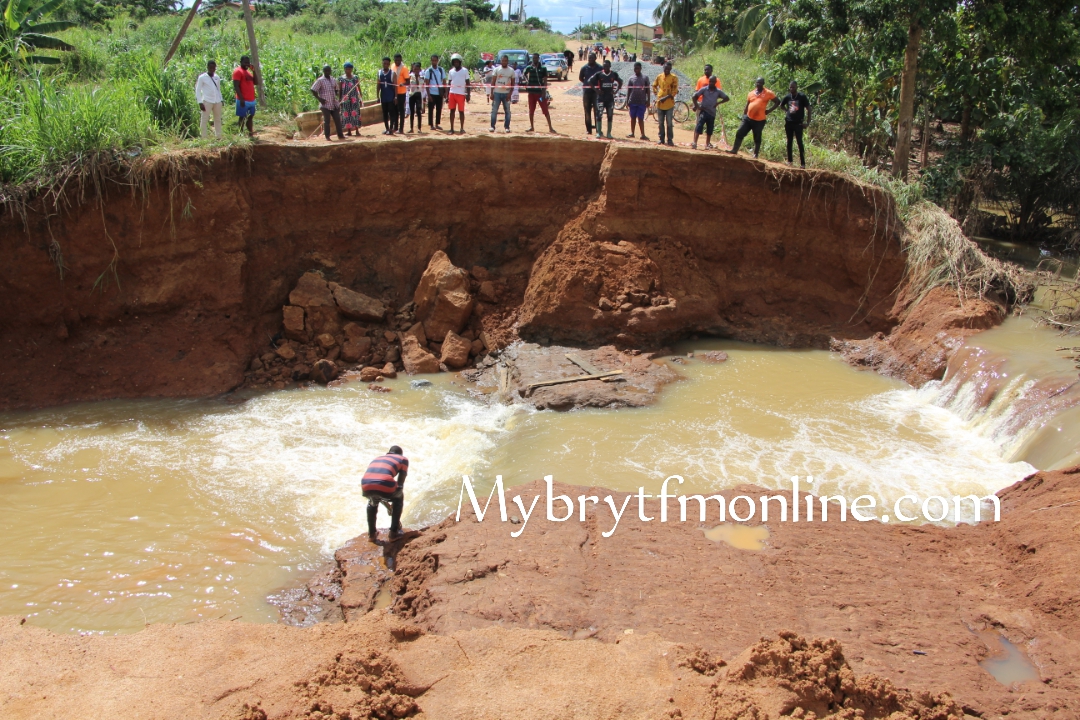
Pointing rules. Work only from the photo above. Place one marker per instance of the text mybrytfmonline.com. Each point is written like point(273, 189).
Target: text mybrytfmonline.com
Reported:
point(740, 508)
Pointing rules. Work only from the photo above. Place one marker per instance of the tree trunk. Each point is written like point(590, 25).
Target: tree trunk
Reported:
point(907, 101)
point(965, 121)
point(254, 52)
point(925, 138)
point(183, 30)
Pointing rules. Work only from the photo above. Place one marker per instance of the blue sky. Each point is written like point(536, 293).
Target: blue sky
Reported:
point(563, 15)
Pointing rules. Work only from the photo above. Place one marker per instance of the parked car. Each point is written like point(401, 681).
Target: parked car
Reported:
point(556, 68)
point(521, 57)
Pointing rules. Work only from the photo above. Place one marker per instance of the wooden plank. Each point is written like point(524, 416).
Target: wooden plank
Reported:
point(575, 378)
point(583, 364)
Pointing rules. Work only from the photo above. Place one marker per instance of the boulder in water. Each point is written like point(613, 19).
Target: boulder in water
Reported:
point(416, 359)
point(443, 301)
point(324, 371)
point(455, 350)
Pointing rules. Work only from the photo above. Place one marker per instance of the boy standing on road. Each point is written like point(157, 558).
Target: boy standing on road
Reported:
point(434, 82)
point(637, 99)
point(706, 101)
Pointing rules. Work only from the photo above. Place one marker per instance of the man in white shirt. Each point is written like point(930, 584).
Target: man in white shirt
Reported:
point(208, 95)
point(503, 82)
point(459, 91)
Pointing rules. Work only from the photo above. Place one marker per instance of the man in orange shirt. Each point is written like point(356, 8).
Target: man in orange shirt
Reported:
point(703, 81)
point(757, 109)
point(401, 73)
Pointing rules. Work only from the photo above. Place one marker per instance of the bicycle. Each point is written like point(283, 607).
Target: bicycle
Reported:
point(682, 108)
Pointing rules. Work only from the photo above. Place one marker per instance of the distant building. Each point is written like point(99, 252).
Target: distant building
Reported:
point(636, 30)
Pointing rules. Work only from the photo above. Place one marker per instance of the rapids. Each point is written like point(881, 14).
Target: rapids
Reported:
point(119, 513)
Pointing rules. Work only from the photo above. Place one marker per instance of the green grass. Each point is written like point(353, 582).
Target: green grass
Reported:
point(737, 73)
point(111, 99)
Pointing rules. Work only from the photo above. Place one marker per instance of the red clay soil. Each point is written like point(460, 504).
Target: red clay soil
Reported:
point(907, 603)
point(829, 620)
point(173, 291)
point(929, 331)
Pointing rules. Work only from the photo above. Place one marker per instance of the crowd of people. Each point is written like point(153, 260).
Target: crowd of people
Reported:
point(607, 52)
point(408, 91)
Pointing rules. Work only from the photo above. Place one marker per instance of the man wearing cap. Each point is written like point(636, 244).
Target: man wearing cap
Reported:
point(384, 482)
point(459, 91)
point(325, 91)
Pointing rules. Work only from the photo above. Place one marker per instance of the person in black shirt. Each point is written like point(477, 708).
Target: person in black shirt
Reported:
point(796, 117)
point(588, 94)
point(607, 83)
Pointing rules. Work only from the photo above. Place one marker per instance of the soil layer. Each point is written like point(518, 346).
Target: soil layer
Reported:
point(172, 289)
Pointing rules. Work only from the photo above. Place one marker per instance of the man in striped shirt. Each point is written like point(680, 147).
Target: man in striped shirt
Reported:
point(385, 481)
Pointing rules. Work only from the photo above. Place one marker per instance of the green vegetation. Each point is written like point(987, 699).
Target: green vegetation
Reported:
point(107, 98)
point(977, 97)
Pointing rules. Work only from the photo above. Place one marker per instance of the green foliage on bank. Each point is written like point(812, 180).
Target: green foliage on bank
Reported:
point(109, 97)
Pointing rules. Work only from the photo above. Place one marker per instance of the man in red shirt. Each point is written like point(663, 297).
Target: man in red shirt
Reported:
point(384, 482)
point(757, 101)
point(243, 80)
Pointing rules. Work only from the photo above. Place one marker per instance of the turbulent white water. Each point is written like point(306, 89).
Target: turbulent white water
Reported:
point(173, 511)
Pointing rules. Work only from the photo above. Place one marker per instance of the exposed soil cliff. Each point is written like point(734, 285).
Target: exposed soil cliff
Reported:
point(174, 291)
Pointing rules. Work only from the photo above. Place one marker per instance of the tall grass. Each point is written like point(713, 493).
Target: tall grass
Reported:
point(45, 130)
point(169, 99)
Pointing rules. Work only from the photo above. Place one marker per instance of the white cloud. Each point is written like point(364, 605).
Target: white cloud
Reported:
point(563, 16)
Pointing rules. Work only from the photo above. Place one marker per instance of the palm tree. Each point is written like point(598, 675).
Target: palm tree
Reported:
point(21, 35)
point(677, 16)
point(762, 25)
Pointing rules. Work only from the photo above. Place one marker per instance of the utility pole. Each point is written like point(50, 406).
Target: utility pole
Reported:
point(637, 13)
point(254, 52)
point(618, 12)
point(183, 29)
point(465, 15)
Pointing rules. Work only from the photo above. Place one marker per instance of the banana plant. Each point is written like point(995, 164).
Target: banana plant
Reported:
point(21, 35)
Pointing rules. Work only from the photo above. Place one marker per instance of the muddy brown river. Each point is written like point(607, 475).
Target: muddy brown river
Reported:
point(121, 513)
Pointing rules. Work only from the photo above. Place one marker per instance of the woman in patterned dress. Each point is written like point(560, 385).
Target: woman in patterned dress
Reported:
point(351, 100)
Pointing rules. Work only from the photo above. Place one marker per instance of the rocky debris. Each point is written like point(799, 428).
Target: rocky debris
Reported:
point(325, 320)
point(455, 351)
point(443, 300)
point(712, 356)
point(294, 323)
point(416, 359)
point(479, 273)
point(323, 371)
point(371, 374)
point(311, 291)
point(522, 364)
point(800, 678)
point(376, 387)
point(356, 305)
point(354, 351)
point(415, 384)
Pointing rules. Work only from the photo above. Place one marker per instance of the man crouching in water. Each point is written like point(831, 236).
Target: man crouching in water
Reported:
point(385, 480)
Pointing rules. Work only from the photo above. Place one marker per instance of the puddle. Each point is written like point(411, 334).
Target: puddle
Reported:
point(1009, 664)
point(384, 599)
point(741, 537)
